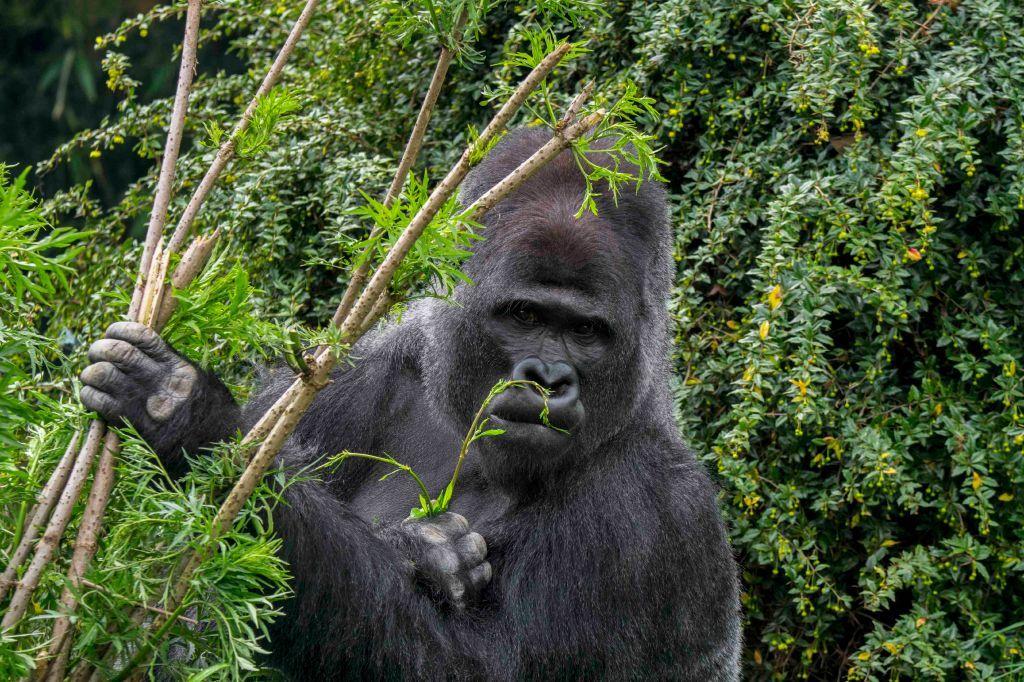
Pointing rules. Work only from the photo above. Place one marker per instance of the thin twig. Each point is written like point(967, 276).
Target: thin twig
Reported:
point(45, 502)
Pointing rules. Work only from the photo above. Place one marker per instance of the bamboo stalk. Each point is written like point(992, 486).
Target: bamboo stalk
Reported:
point(45, 501)
point(227, 150)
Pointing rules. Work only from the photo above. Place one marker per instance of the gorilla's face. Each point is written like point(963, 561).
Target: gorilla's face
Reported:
point(557, 301)
point(575, 304)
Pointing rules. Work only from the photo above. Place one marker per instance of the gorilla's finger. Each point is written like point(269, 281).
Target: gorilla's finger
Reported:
point(452, 524)
point(125, 356)
point(442, 560)
point(471, 549)
point(142, 337)
point(102, 403)
point(105, 377)
point(479, 576)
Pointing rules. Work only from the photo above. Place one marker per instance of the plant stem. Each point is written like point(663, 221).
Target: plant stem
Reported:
point(349, 323)
point(85, 549)
point(45, 502)
point(227, 150)
point(552, 148)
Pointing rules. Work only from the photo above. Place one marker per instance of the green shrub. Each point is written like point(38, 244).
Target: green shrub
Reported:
point(848, 179)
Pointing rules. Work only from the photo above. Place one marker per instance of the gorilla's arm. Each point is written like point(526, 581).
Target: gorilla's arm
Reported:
point(707, 629)
point(355, 598)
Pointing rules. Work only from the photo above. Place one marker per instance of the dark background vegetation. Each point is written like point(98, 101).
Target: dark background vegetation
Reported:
point(847, 181)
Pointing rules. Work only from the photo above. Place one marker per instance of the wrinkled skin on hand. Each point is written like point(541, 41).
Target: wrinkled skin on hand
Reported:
point(136, 376)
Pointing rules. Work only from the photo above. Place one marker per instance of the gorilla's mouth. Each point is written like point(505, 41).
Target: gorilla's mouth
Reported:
point(519, 411)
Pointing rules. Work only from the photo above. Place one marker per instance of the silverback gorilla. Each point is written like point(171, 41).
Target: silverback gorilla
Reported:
point(596, 552)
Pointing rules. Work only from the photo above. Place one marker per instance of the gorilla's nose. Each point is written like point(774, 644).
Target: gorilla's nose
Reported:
point(558, 377)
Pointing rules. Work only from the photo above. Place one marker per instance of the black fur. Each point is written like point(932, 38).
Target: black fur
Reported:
point(609, 556)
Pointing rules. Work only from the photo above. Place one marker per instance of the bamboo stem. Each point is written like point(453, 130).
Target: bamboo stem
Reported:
point(45, 501)
point(175, 132)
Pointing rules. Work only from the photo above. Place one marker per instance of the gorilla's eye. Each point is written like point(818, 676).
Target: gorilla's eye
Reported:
point(524, 314)
point(585, 328)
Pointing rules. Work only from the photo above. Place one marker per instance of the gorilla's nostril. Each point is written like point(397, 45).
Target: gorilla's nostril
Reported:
point(559, 377)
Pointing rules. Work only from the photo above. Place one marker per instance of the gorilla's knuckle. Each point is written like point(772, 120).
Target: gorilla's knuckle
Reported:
point(453, 524)
point(442, 560)
point(472, 548)
point(480, 575)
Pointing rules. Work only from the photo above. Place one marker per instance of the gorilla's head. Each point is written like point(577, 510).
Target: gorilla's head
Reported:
point(576, 305)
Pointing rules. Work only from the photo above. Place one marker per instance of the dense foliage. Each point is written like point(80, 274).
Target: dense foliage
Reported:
point(848, 180)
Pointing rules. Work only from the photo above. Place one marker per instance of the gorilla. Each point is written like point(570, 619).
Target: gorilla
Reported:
point(594, 550)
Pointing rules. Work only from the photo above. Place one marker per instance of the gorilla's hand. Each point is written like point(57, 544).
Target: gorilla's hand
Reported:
point(448, 558)
point(135, 375)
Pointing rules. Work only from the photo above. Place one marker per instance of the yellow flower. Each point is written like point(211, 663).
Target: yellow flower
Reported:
point(763, 330)
point(913, 254)
point(919, 193)
point(864, 655)
point(975, 480)
point(732, 324)
point(921, 132)
point(118, 139)
point(1005, 497)
point(775, 297)
point(94, 154)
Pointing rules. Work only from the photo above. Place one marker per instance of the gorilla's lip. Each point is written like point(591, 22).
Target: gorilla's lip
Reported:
point(515, 410)
point(541, 438)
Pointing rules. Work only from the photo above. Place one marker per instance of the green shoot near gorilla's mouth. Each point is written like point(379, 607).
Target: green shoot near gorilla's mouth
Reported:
point(434, 506)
